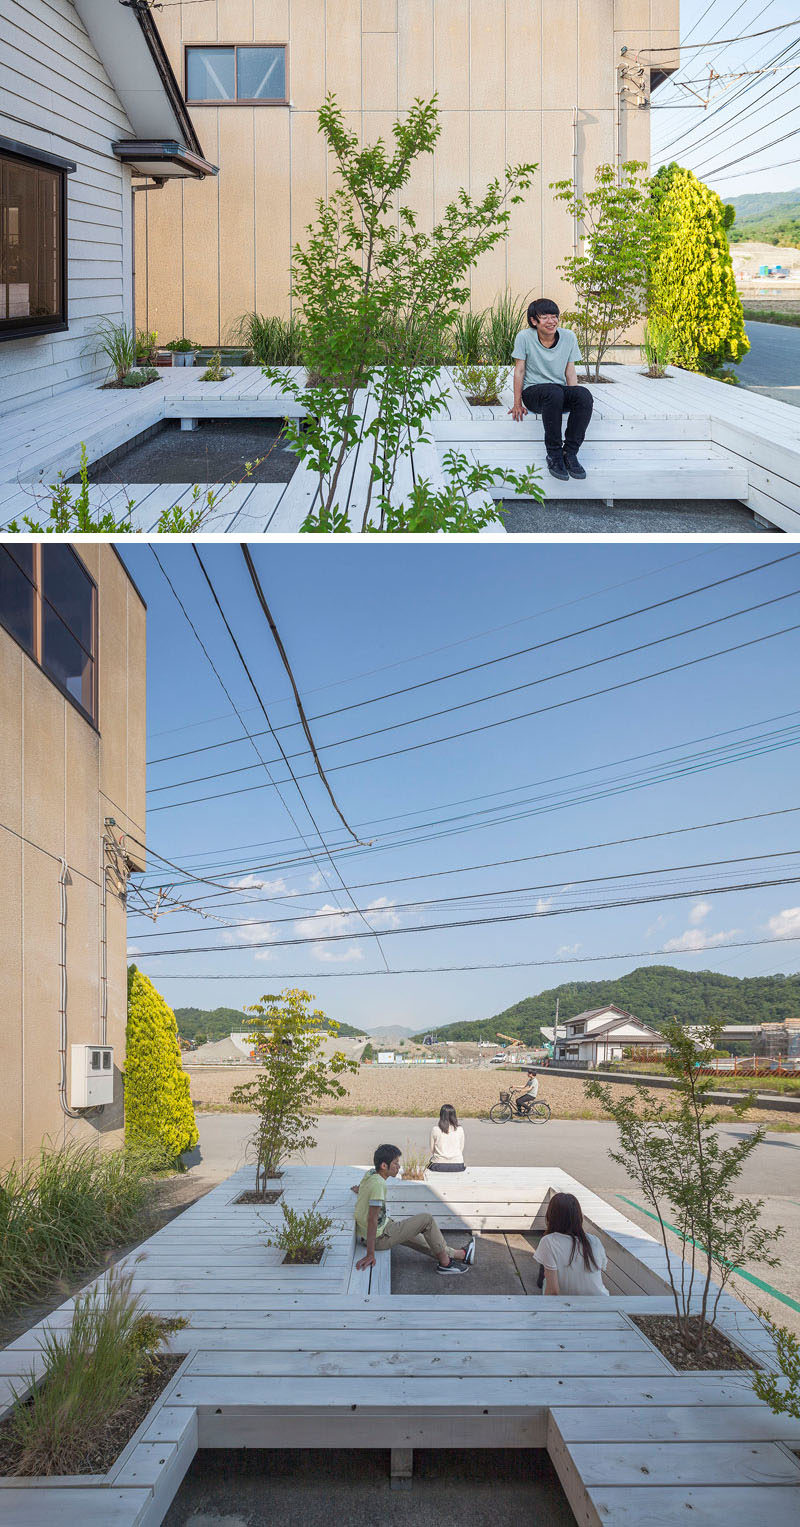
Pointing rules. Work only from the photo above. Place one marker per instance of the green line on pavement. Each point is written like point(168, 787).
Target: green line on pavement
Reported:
point(740, 1273)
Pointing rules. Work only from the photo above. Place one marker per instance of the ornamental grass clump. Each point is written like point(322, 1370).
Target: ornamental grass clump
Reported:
point(62, 1212)
point(90, 1374)
point(294, 1076)
point(672, 1151)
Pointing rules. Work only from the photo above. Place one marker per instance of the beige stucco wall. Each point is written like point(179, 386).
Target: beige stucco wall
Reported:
point(508, 73)
point(59, 779)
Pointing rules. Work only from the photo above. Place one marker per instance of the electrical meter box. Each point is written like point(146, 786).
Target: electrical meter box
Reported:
point(91, 1076)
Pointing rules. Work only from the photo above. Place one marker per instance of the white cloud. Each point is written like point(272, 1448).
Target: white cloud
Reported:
point(251, 931)
point(381, 914)
point(655, 927)
point(699, 911)
point(132, 951)
point(326, 921)
point(253, 883)
point(347, 956)
point(543, 903)
point(568, 949)
point(786, 924)
point(698, 938)
point(316, 881)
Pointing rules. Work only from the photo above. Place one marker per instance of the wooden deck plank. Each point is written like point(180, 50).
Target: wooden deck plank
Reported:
point(677, 1423)
point(91, 1507)
point(708, 1463)
point(735, 1506)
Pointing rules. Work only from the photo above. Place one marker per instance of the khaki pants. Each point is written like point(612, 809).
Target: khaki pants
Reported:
point(420, 1232)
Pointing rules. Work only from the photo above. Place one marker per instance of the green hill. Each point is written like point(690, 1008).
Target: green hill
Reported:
point(218, 1022)
point(767, 217)
point(653, 993)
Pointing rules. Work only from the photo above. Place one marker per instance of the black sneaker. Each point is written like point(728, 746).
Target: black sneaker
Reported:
point(573, 465)
point(453, 1269)
point(555, 466)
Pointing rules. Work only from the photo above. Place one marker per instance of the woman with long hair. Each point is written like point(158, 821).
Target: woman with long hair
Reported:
point(447, 1142)
point(573, 1260)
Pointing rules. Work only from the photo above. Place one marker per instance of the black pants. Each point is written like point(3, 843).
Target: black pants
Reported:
point(447, 1166)
point(551, 400)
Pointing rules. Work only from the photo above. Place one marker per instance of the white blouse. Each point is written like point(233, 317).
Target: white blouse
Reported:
point(449, 1146)
point(574, 1277)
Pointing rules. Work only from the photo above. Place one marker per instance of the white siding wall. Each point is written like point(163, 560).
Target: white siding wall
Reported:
point(56, 96)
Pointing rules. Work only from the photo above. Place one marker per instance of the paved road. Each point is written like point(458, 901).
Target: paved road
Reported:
point(772, 365)
point(580, 1146)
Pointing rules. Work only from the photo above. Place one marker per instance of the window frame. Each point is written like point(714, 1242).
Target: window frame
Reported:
point(36, 652)
point(24, 328)
point(237, 47)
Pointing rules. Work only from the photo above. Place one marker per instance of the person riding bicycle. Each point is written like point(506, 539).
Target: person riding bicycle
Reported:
point(528, 1092)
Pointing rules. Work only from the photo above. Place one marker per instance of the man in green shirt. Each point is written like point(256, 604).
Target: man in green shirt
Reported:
point(420, 1231)
point(546, 382)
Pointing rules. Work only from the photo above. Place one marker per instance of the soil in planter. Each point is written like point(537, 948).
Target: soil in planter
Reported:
point(483, 402)
point(103, 1449)
point(122, 387)
point(718, 1351)
point(304, 1258)
point(252, 1197)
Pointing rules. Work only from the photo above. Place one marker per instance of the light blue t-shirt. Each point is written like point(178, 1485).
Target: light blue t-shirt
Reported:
point(543, 364)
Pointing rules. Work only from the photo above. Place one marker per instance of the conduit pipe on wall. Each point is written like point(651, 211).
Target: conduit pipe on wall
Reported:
point(574, 178)
point(63, 880)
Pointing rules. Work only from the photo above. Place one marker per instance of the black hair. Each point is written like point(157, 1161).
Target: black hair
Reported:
point(564, 1216)
point(541, 306)
point(448, 1118)
point(385, 1155)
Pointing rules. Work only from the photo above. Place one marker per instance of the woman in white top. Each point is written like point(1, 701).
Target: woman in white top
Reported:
point(573, 1261)
point(447, 1142)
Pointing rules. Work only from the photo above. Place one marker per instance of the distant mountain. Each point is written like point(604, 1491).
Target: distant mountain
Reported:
point(389, 1034)
point(767, 217)
point(653, 993)
point(218, 1022)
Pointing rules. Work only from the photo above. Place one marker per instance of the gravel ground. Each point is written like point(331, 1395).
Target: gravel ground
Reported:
point(420, 1090)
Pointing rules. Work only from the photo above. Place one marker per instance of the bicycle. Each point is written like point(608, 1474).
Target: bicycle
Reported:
point(504, 1111)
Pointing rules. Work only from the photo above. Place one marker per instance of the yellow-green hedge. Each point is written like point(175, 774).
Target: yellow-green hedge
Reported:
point(158, 1107)
point(692, 288)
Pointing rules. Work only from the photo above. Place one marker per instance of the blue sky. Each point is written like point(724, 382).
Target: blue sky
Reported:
point(734, 123)
point(359, 620)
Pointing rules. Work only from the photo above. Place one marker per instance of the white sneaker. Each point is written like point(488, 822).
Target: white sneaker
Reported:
point(469, 1254)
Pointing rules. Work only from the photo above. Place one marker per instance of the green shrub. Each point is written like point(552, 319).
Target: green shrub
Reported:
point(502, 323)
point(141, 378)
point(468, 334)
point(117, 343)
point(62, 1212)
point(302, 1237)
point(158, 1108)
point(481, 384)
point(692, 287)
point(89, 1374)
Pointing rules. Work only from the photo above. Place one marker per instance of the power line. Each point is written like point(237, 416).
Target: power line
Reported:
point(583, 848)
point(715, 169)
point(433, 970)
point(509, 720)
point(628, 876)
point(286, 760)
point(743, 113)
point(471, 668)
point(479, 922)
point(254, 578)
point(724, 41)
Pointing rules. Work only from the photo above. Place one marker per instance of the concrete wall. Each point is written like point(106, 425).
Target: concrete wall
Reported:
point(59, 779)
point(56, 96)
point(508, 74)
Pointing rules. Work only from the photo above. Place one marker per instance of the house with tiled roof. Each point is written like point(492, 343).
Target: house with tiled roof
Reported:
point(601, 1034)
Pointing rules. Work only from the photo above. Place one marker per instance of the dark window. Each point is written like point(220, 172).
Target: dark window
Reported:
point(33, 274)
point(251, 73)
point(48, 603)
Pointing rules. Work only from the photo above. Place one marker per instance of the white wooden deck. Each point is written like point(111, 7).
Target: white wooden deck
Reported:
point(328, 1357)
point(682, 437)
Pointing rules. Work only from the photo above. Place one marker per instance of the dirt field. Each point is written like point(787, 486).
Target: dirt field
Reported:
point(420, 1091)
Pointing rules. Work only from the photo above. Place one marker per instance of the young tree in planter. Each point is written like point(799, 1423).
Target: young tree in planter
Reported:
point(671, 1150)
point(610, 275)
point(378, 297)
point(294, 1076)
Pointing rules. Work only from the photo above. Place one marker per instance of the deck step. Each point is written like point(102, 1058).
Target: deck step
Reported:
point(652, 470)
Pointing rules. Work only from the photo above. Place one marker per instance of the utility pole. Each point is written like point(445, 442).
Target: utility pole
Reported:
point(555, 1033)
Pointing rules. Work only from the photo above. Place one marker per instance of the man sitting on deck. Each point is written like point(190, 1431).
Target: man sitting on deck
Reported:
point(420, 1232)
point(546, 382)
